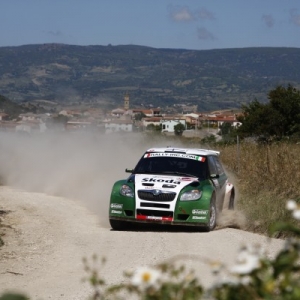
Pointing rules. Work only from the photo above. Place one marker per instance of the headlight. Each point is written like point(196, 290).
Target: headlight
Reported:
point(126, 191)
point(191, 195)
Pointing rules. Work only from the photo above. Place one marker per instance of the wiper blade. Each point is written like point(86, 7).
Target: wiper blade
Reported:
point(178, 173)
point(147, 172)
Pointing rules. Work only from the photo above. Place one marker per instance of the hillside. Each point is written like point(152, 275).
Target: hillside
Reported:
point(212, 79)
point(13, 109)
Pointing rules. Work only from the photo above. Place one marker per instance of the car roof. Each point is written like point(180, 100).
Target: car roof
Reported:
point(195, 151)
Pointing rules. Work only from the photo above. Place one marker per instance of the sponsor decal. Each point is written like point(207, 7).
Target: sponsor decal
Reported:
point(157, 179)
point(187, 156)
point(153, 218)
point(186, 179)
point(116, 205)
point(198, 218)
point(199, 212)
point(116, 211)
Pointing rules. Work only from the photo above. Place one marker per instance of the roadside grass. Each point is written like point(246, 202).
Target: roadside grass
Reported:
point(267, 176)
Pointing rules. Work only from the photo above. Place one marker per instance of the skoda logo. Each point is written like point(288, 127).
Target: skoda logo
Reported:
point(156, 192)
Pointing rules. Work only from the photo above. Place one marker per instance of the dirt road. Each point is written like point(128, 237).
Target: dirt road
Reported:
point(49, 236)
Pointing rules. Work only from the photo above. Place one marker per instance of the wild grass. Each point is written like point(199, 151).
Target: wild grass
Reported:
point(266, 177)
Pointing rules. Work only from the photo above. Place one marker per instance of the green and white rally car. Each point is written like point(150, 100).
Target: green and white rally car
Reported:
point(173, 186)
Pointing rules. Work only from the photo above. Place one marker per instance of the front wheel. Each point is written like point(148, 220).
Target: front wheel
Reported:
point(118, 225)
point(212, 216)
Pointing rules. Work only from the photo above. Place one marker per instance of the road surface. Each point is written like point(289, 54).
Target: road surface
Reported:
point(48, 237)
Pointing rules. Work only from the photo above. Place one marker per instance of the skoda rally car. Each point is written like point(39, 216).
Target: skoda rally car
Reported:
point(172, 186)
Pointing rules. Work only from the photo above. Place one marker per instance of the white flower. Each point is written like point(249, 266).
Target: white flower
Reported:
point(246, 280)
point(145, 277)
point(216, 266)
point(296, 214)
point(246, 263)
point(291, 205)
point(226, 279)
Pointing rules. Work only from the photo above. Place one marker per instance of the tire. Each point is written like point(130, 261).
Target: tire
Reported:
point(118, 225)
point(231, 201)
point(212, 215)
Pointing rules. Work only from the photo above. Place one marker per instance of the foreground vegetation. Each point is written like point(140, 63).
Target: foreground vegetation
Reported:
point(254, 276)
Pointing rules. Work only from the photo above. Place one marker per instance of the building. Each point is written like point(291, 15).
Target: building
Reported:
point(126, 101)
point(152, 112)
point(118, 125)
point(169, 124)
point(156, 121)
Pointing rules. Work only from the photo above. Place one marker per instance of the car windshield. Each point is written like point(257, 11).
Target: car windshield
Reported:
point(172, 165)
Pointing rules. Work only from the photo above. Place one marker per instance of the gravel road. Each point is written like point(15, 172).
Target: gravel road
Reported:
point(48, 237)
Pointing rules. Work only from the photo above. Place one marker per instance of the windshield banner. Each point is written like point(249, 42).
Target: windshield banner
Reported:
point(180, 155)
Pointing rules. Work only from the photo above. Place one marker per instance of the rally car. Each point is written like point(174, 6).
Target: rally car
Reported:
point(172, 186)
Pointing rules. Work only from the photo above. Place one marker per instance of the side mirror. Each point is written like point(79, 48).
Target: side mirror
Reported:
point(214, 176)
point(128, 170)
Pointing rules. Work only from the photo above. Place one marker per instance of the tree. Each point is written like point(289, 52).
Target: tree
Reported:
point(154, 128)
point(258, 120)
point(227, 132)
point(150, 127)
point(179, 128)
point(278, 118)
point(225, 128)
point(139, 116)
point(209, 139)
point(56, 122)
point(286, 101)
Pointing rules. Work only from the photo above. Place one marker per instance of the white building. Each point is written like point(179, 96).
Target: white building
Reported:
point(168, 125)
point(118, 125)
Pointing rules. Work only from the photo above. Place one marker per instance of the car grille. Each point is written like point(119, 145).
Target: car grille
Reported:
point(156, 195)
point(156, 205)
point(154, 213)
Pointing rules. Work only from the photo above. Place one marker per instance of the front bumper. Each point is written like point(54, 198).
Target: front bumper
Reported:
point(157, 220)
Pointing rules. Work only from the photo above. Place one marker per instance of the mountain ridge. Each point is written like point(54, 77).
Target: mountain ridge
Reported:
point(101, 75)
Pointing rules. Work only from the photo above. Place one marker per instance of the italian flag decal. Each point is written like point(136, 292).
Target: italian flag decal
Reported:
point(201, 158)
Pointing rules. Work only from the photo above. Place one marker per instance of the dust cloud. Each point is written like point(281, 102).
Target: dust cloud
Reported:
point(232, 218)
point(77, 165)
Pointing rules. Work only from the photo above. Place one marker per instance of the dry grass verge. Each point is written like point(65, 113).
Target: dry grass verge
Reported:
point(267, 176)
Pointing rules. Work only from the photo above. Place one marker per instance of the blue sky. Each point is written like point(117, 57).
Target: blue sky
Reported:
point(185, 24)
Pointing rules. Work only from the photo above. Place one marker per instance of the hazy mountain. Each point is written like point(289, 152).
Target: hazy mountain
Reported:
point(212, 79)
point(13, 109)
